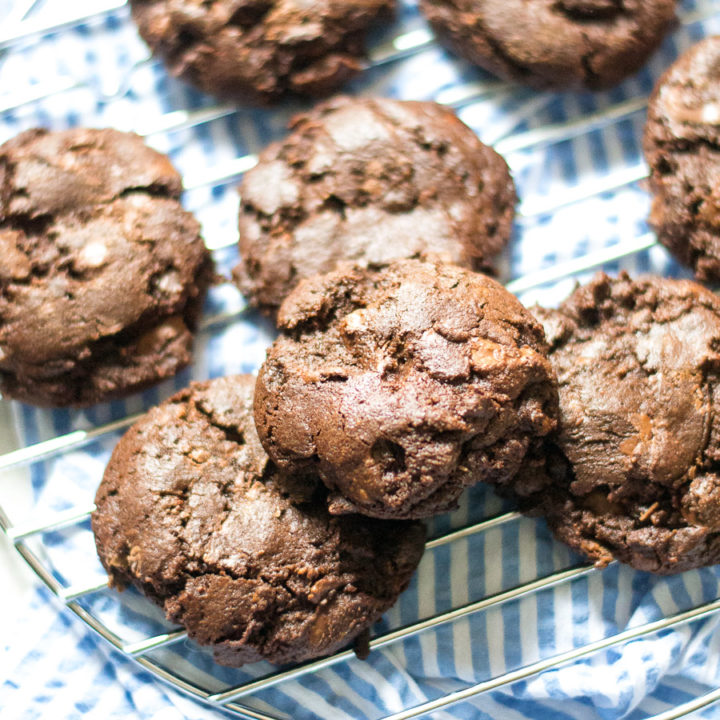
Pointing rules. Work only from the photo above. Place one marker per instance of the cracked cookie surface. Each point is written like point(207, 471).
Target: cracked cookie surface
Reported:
point(404, 385)
point(634, 472)
point(682, 148)
point(367, 181)
point(260, 50)
point(103, 272)
point(192, 512)
point(554, 44)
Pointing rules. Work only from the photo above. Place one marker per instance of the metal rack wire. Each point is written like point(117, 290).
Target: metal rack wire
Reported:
point(21, 533)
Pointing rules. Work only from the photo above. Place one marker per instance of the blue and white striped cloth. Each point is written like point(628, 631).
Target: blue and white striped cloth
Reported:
point(53, 666)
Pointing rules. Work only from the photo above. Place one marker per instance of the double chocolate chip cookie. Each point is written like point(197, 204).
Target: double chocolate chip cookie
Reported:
point(402, 386)
point(370, 180)
point(554, 44)
point(103, 272)
point(634, 472)
point(682, 147)
point(191, 512)
point(260, 50)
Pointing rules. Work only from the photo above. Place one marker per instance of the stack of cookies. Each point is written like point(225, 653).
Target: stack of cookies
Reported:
point(193, 513)
point(277, 520)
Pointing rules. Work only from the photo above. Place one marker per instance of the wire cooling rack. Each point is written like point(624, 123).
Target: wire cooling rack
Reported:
point(534, 147)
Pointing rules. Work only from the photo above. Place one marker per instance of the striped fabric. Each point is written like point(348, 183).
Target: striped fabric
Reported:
point(56, 667)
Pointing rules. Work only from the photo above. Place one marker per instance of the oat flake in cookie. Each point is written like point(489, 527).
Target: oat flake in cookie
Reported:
point(369, 180)
point(404, 385)
point(554, 44)
point(191, 512)
point(260, 50)
point(103, 272)
point(635, 469)
point(682, 147)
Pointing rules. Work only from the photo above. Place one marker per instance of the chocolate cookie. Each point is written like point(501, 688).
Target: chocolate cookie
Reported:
point(554, 44)
point(192, 513)
point(103, 272)
point(260, 50)
point(404, 385)
point(681, 142)
point(369, 180)
point(634, 472)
